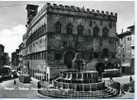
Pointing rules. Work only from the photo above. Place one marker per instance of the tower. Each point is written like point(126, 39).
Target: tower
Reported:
point(31, 12)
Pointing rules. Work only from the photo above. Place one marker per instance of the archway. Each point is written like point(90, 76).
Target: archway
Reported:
point(68, 57)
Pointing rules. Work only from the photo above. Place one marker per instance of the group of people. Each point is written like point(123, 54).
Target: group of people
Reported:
point(120, 87)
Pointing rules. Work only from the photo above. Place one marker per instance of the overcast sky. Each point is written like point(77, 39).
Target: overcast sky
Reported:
point(13, 17)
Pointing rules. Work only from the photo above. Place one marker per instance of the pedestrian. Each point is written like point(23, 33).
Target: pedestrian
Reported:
point(111, 80)
point(131, 84)
point(39, 85)
point(122, 90)
point(118, 87)
point(15, 82)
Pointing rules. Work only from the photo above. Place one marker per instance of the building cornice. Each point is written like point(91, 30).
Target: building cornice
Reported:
point(73, 11)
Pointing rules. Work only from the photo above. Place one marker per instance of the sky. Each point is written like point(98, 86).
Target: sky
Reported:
point(13, 17)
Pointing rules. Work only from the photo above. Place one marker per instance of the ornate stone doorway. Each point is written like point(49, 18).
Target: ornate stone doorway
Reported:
point(68, 57)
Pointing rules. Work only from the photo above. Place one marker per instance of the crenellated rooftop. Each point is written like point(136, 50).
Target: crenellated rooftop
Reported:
point(48, 7)
point(78, 9)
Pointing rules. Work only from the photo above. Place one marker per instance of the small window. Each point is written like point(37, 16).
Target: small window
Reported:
point(74, 76)
point(105, 32)
point(84, 75)
point(95, 31)
point(69, 28)
point(79, 76)
point(80, 29)
point(128, 39)
point(132, 47)
point(89, 76)
point(90, 24)
point(58, 27)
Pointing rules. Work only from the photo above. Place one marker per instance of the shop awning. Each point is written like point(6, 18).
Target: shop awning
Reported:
point(126, 65)
point(39, 74)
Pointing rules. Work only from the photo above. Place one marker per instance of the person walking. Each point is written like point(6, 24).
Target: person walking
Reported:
point(14, 82)
point(116, 85)
point(111, 80)
point(122, 91)
point(131, 84)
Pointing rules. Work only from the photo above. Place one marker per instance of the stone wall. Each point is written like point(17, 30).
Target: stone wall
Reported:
point(88, 24)
point(58, 29)
point(50, 14)
point(88, 41)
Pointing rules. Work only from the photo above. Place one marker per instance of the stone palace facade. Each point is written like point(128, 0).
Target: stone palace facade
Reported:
point(57, 32)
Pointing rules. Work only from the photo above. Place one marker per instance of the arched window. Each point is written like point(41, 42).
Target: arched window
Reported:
point(58, 27)
point(80, 29)
point(69, 28)
point(95, 31)
point(105, 32)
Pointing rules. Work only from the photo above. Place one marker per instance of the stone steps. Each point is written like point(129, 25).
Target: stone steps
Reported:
point(111, 91)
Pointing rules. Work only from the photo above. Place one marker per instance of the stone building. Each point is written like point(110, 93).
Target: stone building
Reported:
point(127, 49)
point(4, 57)
point(15, 59)
point(21, 47)
point(1, 55)
point(57, 32)
point(1, 48)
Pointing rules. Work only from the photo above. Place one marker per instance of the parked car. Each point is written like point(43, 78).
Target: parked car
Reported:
point(5, 73)
point(25, 78)
point(14, 74)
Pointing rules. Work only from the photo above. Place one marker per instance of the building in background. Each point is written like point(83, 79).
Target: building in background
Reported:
point(1, 55)
point(21, 47)
point(4, 57)
point(57, 32)
point(127, 49)
point(1, 48)
point(15, 59)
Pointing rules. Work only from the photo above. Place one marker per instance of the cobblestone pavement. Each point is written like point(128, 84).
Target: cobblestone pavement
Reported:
point(29, 90)
point(20, 90)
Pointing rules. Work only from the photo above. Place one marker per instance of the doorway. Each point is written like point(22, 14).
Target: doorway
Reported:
point(68, 57)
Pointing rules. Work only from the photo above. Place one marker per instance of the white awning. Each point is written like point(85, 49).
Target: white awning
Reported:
point(111, 69)
point(126, 65)
point(6, 66)
point(39, 74)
